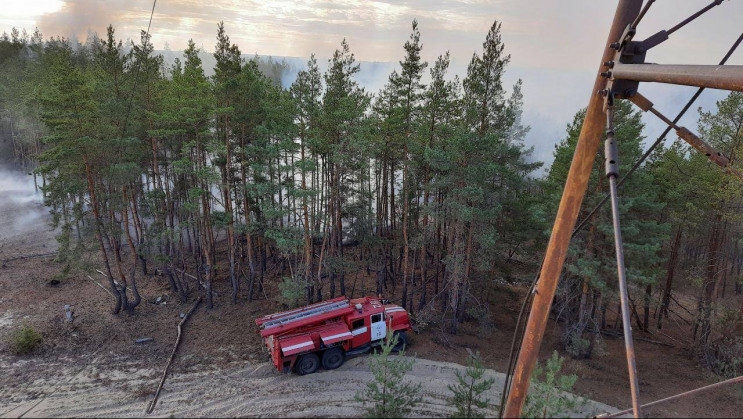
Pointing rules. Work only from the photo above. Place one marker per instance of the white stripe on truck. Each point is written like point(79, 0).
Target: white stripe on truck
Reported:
point(299, 345)
point(359, 331)
point(339, 335)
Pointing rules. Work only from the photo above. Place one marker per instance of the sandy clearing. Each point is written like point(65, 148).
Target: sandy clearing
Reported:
point(103, 387)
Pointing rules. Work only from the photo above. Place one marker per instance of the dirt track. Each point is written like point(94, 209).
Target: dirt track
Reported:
point(75, 388)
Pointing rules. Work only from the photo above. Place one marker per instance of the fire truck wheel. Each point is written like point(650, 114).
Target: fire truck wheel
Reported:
point(402, 342)
point(307, 364)
point(333, 358)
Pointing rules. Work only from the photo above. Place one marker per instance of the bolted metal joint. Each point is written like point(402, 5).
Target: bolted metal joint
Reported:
point(606, 74)
point(611, 153)
point(609, 64)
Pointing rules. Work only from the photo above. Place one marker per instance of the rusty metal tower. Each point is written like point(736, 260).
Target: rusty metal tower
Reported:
point(621, 69)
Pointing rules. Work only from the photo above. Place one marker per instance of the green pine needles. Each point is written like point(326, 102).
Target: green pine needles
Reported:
point(549, 394)
point(468, 392)
point(388, 396)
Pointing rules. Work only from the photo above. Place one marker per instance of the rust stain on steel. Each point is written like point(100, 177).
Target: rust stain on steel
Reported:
point(706, 149)
point(567, 214)
point(727, 77)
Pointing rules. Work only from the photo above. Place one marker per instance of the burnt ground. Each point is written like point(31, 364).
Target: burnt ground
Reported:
point(224, 338)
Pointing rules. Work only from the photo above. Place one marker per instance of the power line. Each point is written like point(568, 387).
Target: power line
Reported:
point(136, 76)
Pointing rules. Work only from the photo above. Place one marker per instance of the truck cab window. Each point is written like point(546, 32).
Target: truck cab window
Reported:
point(375, 318)
point(357, 324)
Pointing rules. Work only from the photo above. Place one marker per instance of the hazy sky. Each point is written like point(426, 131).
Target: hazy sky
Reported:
point(555, 45)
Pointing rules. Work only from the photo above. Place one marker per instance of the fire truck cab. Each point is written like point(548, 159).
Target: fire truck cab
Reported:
point(325, 333)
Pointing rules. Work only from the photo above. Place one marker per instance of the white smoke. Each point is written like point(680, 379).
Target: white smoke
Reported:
point(22, 212)
point(18, 187)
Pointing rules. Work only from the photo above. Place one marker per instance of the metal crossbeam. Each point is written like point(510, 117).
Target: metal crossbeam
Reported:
point(727, 77)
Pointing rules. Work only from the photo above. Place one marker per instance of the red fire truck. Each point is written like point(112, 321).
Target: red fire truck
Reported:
point(325, 333)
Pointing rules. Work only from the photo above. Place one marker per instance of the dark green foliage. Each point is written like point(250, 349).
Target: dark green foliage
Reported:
point(591, 264)
point(389, 396)
point(549, 395)
point(468, 394)
point(148, 163)
point(25, 340)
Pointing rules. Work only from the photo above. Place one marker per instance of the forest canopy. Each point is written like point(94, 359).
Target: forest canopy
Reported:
point(425, 186)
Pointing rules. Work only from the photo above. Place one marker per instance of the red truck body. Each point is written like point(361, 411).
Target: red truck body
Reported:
point(298, 339)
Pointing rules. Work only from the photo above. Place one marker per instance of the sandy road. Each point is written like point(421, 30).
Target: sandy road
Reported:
point(102, 387)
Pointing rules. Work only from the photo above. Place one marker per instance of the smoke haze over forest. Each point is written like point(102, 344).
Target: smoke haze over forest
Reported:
point(553, 45)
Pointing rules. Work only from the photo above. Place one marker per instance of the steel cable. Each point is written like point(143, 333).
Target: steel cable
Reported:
point(136, 76)
point(642, 13)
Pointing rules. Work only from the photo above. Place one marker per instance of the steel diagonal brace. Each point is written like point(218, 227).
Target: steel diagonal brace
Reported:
point(700, 145)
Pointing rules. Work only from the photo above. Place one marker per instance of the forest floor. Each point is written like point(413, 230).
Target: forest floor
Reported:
point(92, 366)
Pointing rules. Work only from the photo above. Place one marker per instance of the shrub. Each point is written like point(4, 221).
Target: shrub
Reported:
point(388, 395)
point(467, 392)
point(25, 340)
point(724, 355)
point(292, 292)
point(578, 347)
point(547, 395)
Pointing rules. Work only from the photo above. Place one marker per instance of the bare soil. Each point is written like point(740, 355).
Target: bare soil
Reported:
point(92, 367)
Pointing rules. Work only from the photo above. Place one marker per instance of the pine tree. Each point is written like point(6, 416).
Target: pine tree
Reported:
point(591, 265)
point(306, 91)
point(410, 91)
point(723, 130)
point(469, 389)
point(440, 112)
point(388, 394)
point(550, 395)
point(344, 104)
point(226, 74)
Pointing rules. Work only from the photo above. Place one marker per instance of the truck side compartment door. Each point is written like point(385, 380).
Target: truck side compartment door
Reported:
point(378, 327)
point(360, 332)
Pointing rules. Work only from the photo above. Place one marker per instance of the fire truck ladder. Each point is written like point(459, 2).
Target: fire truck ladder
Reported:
point(292, 317)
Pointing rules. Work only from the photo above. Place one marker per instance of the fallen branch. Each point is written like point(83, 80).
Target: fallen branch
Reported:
point(99, 284)
point(151, 406)
point(38, 255)
point(186, 273)
point(674, 339)
point(655, 342)
point(679, 304)
point(106, 276)
point(201, 284)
